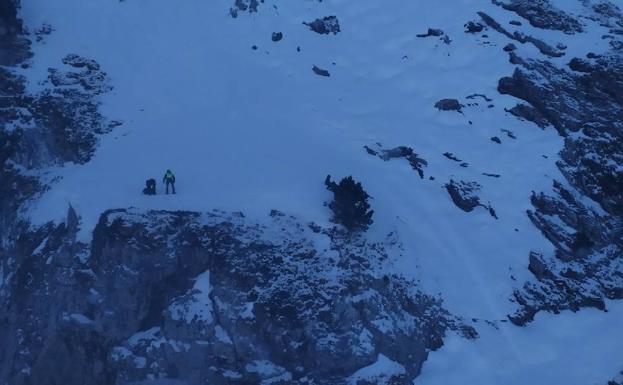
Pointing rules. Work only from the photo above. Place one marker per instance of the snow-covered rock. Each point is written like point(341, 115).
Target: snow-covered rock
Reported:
point(167, 294)
point(101, 285)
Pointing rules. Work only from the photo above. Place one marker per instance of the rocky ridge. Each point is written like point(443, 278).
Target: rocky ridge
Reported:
point(227, 291)
point(582, 217)
point(219, 296)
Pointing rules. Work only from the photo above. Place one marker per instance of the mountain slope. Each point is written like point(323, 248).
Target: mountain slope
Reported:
point(500, 201)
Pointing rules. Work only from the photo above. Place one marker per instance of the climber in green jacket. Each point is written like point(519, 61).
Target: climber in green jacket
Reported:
point(169, 179)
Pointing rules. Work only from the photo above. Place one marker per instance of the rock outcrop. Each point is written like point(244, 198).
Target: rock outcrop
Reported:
point(191, 297)
point(400, 152)
point(582, 217)
point(14, 46)
point(325, 26)
point(448, 105)
point(59, 124)
point(543, 14)
point(249, 6)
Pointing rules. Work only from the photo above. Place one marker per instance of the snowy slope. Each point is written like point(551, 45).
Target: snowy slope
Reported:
point(554, 351)
point(255, 130)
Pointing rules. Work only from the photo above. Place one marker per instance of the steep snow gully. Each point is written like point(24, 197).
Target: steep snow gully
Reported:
point(487, 133)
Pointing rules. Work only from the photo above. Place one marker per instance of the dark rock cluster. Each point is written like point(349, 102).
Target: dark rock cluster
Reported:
point(10, 24)
point(14, 45)
point(91, 79)
point(325, 26)
point(465, 196)
point(543, 14)
point(41, 32)
point(190, 297)
point(582, 217)
point(454, 158)
point(59, 124)
point(435, 32)
point(545, 48)
point(244, 6)
point(277, 36)
point(400, 152)
point(474, 27)
point(448, 105)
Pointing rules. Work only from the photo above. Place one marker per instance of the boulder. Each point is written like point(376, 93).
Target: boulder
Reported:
point(448, 105)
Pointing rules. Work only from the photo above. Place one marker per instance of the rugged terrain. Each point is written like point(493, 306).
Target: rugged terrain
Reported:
point(489, 135)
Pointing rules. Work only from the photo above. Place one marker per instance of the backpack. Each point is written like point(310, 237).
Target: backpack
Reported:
point(150, 187)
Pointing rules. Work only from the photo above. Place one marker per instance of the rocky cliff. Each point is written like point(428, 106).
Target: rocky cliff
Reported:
point(215, 297)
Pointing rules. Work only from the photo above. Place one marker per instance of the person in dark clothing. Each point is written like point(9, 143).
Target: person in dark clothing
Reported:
point(150, 187)
point(169, 179)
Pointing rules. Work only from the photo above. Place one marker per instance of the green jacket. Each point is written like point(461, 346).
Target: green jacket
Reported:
point(168, 177)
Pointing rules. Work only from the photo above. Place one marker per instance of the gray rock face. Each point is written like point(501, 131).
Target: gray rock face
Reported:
point(9, 23)
point(57, 125)
point(14, 46)
point(208, 297)
point(15, 189)
point(464, 194)
point(91, 79)
point(586, 267)
point(587, 99)
point(522, 38)
point(543, 14)
point(597, 93)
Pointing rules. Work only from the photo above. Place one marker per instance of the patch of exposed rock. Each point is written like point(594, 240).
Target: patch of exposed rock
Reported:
point(434, 32)
point(195, 298)
point(400, 152)
point(474, 27)
point(543, 14)
point(249, 6)
point(465, 196)
point(325, 26)
point(321, 71)
point(586, 267)
point(522, 38)
point(449, 105)
point(582, 217)
point(14, 45)
point(59, 124)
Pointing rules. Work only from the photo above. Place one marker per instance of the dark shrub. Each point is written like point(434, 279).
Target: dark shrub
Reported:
point(350, 204)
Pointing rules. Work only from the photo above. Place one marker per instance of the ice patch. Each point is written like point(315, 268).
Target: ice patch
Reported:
point(380, 372)
point(222, 335)
point(197, 306)
point(78, 318)
point(568, 348)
